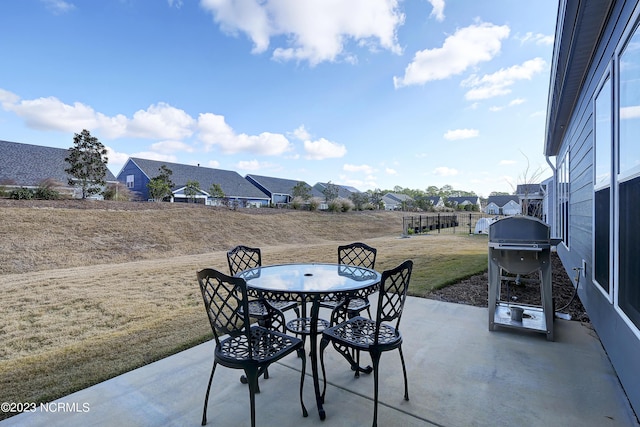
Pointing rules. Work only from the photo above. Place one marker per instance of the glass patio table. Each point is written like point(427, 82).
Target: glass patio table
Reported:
point(311, 283)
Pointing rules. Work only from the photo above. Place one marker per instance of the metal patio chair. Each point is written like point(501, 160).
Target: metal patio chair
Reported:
point(361, 255)
point(242, 258)
point(373, 336)
point(238, 344)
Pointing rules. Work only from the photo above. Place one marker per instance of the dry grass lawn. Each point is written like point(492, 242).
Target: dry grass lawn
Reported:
point(92, 290)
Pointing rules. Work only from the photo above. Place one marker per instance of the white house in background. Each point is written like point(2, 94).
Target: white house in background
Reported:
point(461, 202)
point(503, 205)
point(436, 201)
point(531, 199)
point(396, 201)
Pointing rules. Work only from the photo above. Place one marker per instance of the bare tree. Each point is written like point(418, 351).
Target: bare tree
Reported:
point(529, 191)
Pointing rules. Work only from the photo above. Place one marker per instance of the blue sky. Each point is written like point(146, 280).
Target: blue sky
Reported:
point(368, 93)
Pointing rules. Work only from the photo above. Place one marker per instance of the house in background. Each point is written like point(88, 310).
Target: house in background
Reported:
point(503, 205)
point(136, 174)
point(344, 191)
point(436, 201)
point(592, 132)
point(462, 202)
point(26, 165)
point(279, 190)
point(531, 199)
point(396, 201)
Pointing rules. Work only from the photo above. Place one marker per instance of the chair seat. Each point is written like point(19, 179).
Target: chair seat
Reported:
point(258, 310)
point(355, 304)
point(302, 325)
point(267, 345)
point(359, 332)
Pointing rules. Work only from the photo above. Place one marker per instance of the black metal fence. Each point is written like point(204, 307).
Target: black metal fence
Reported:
point(452, 222)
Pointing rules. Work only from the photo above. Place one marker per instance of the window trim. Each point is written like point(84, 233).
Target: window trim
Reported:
point(563, 191)
point(607, 78)
point(633, 25)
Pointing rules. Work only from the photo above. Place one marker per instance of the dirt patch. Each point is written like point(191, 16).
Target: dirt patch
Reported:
point(474, 291)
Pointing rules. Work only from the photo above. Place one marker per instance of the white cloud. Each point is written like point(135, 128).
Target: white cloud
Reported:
point(467, 47)
point(8, 99)
point(151, 155)
point(499, 83)
point(314, 30)
point(390, 171)
point(454, 135)
point(52, 114)
point(58, 7)
point(324, 149)
point(177, 3)
point(513, 103)
point(438, 9)
point(116, 159)
point(301, 133)
point(632, 112)
point(213, 164)
point(508, 162)
point(358, 168)
point(171, 146)
point(214, 131)
point(445, 171)
point(538, 38)
point(161, 121)
point(250, 165)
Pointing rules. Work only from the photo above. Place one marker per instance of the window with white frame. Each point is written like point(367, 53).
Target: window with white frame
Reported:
point(603, 146)
point(628, 178)
point(130, 181)
point(562, 192)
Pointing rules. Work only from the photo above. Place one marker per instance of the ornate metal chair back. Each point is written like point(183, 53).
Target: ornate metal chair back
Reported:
point(223, 297)
point(359, 254)
point(393, 293)
point(242, 258)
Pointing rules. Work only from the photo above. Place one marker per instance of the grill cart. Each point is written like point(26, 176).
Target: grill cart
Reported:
point(520, 245)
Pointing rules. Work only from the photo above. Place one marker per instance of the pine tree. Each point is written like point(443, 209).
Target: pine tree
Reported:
point(87, 164)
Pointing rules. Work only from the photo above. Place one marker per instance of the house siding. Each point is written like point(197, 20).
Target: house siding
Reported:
point(619, 339)
point(140, 180)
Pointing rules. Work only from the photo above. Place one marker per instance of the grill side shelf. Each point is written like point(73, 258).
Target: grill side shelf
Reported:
point(518, 247)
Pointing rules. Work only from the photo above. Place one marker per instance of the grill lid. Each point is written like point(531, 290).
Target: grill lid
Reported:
point(520, 230)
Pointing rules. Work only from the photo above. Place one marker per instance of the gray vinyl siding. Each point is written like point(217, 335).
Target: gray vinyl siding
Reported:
point(619, 340)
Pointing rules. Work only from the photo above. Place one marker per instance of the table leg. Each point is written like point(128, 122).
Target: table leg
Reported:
point(315, 308)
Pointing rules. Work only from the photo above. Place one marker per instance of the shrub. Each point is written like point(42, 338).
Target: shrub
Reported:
point(45, 193)
point(334, 205)
point(347, 205)
point(297, 202)
point(118, 192)
point(21, 193)
point(46, 190)
point(314, 203)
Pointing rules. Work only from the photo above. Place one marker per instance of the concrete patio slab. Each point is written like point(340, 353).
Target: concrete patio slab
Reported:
point(460, 374)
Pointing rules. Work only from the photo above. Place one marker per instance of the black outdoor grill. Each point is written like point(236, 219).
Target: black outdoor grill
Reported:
point(520, 245)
